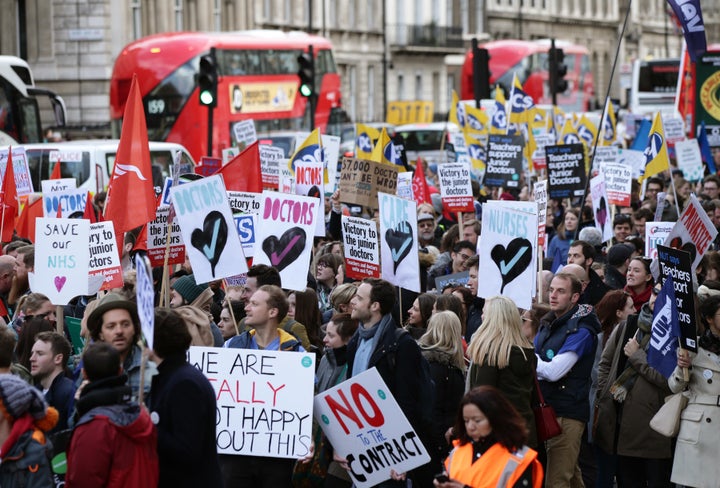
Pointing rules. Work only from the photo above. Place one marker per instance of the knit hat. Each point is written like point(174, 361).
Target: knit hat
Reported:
point(18, 398)
point(619, 253)
point(188, 288)
point(111, 301)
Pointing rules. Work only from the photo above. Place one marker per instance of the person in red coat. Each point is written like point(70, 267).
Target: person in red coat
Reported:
point(114, 443)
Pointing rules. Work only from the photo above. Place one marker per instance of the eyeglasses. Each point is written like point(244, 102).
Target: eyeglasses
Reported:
point(656, 291)
point(464, 257)
point(322, 266)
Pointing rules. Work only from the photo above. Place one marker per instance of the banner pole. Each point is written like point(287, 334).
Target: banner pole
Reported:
point(229, 306)
point(539, 274)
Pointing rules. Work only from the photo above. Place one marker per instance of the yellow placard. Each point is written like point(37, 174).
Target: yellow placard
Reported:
point(251, 98)
point(411, 112)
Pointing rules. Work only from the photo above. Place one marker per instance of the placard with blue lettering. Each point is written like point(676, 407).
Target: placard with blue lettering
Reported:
point(504, 160)
point(366, 426)
point(104, 255)
point(601, 206)
point(399, 243)
point(676, 263)
point(145, 299)
point(655, 235)
point(508, 253)
point(54, 186)
point(309, 182)
point(264, 400)
point(71, 202)
point(284, 236)
point(208, 229)
point(62, 255)
point(21, 170)
point(566, 170)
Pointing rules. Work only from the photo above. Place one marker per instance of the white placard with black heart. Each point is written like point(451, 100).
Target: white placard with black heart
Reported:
point(398, 236)
point(601, 206)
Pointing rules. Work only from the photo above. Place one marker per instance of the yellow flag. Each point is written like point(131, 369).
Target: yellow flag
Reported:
point(568, 135)
point(609, 125)
point(457, 111)
point(498, 122)
point(656, 153)
point(310, 150)
point(476, 151)
point(587, 131)
point(477, 121)
point(364, 141)
point(521, 104)
point(384, 152)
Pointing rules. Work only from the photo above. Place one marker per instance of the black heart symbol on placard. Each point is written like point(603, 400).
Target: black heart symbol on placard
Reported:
point(601, 213)
point(513, 259)
point(688, 247)
point(211, 240)
point(400, 241)
point(282, 252)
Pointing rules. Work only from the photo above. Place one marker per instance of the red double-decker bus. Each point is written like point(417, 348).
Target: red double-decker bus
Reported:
point(529, 59)
point(257, 80)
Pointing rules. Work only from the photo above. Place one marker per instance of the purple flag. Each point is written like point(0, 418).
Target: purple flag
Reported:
point(665, 331)
point(689, 15)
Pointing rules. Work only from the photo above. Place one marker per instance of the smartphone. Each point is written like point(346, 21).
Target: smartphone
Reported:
point(441, 478)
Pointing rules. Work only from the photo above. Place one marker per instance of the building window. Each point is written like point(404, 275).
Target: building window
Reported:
point(400, 87)
point(418, 86)
point(353, 92)
point(217, 15)
point(372, 13)
point(178, 15)
point(287, 8)
point(266, 10)
point(450, 86)
point(136, 19)
point(332, 14)
point(371, 94)
point(351, 14)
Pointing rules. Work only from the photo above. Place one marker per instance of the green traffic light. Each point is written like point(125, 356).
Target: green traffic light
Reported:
point(206, 97)
point(305, 90)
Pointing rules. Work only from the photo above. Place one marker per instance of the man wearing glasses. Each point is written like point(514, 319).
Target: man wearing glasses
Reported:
point(452, 262)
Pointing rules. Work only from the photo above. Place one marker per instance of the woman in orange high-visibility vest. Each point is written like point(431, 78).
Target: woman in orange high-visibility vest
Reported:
point(490, 450)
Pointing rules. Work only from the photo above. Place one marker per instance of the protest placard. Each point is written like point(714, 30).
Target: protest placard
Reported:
point(245, 202)
point(145, 297)
point(676, 263)
point(674, 128)
point(71, 202)
point(399, 243)
point(364, 422)
point(455, 189)
point(504, 160)
point(618, 183)
point(271, 159)
point(284, 236)
point(157, 232)
point(361, 180)
point(309, 182)
point(693, 232)
point(244, 133)
point(264, 399)
point(246, 225)
point(404, 185)
point(689, 160)
point(454, 279)
point(540, 195)
point(361, 247)
point(655, 235)
point(62, 255)
point(55, 186)
point(330, 156)
point(207, 228)
point(286, 178)
point(604, 155)
point(601, 207)
point(566, 170)
point(104, 255)
point(633, 159)
point(507, 252)
point(21, 170)
point(229, 153)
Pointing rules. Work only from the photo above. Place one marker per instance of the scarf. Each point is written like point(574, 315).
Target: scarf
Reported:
point(640, 299)
point(710, 342)
point(624, 383)
point(368, 341)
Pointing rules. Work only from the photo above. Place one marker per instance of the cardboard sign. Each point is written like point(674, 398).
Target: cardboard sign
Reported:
point(55, 186)
point(207, 228)
point(21, 170)
point(264, 399)
point(655, 235)
point(104, 255)
point(618, 183)
point(601, 207)
point(399, 242)
point(504, 160)
point(361, 180)
point(285, 236)
point(364, 423)
point(71, 202)
point(507, 253)
point(145, 297)
point(62, 255)
point(244, 133)
point(157, 233)
point(270, 161)
point(566, 170)
point(404, 185)
point(309, 182)
point(455, 279)
point(676, 263)
point(455, 188)
point(693, 232)
point(362, 253)
point(689, 160)
point(541, 198)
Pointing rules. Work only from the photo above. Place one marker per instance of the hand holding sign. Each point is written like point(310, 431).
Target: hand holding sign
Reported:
point(512, 260)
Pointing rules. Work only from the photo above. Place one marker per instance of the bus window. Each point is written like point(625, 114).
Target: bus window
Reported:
point(30, 116)
point(325, 62)
point(658, 78)
point(166, 100)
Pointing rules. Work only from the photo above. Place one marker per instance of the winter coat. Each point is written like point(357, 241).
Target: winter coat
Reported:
point(442, 267)
point(595, 290)
point(614, 279)
point(635, 438)
point(61, 396)
point(183, 402)
point(696, 462)
point(26, 464)
point(332, 369)
point(449, 389)
point(560, 247)
point(516, 382)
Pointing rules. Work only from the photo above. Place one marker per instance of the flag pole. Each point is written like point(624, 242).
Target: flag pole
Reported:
point(229, 306)
point(672, 182)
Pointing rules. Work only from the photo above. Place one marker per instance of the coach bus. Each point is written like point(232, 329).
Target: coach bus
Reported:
point(19, 110)
point(654, 85)
point(529, 60)
point(257, 80)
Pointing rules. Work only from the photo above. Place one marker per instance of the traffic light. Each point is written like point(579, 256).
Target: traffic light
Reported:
point(557, 71)
point(306, 73)
point(208, 80)
point(481, 72)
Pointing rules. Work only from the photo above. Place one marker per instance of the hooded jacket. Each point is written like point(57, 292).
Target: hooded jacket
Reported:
point(288, 342)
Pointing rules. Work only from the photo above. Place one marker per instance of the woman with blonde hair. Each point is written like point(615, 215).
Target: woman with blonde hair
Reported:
point(441, 345)
point(501, 356)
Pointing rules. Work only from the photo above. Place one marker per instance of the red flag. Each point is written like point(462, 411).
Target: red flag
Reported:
point(242, 173)
point(419, 184)
point(26, 223)
point(56, 172)
point(685, 99)
point(131, 197)
point(141, 241)
point(9, 200)
point(90, 210)
point(58, 215)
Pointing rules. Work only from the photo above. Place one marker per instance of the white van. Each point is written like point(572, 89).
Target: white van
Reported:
point(91, 162)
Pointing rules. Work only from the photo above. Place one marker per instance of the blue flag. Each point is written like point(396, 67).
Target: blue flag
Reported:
point(642, 135)
point(690, 17)
point(665, 332)
point(705, 148)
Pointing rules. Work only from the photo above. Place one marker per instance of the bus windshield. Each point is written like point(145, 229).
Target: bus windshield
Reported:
point(19, 115)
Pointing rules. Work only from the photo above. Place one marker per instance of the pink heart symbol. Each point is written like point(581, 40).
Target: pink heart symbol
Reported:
point(60, 282)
